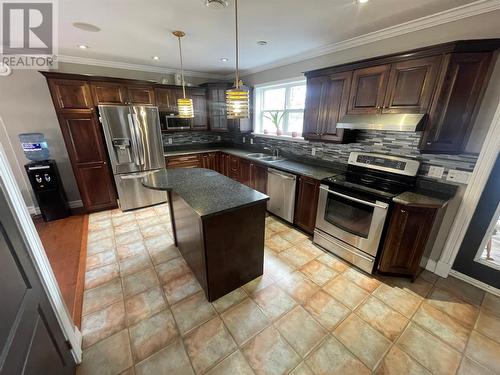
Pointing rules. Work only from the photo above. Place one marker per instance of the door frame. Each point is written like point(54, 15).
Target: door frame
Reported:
point(38, 256)
point(475, 187)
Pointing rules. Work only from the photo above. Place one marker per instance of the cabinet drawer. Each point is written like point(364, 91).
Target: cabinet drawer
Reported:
point(184, 161)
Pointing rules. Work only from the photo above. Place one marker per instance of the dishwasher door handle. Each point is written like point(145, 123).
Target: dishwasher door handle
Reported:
point(285, 176)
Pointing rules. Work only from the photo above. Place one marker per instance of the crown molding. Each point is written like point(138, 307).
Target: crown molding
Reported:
point(436, 19)
point(138, 67)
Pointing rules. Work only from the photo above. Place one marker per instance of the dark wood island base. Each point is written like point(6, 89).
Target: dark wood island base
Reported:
point(218, 226)
point(225, 250)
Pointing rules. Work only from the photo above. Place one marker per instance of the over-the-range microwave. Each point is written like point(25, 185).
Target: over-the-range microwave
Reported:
point(174, 122)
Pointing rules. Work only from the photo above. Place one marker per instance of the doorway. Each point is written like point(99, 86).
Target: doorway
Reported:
point(479, 254)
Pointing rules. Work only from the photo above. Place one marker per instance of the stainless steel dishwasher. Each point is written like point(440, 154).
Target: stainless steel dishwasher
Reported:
point(281, 190)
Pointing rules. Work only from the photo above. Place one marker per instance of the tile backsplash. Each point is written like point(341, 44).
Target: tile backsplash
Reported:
point(403, 144)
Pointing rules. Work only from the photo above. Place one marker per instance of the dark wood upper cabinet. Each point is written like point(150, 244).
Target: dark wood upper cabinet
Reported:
point(326, 102)
point(458, 97)
point(306, 204)
point(70, 94)
point(166, 99)
point(406, 239)
point(200, 121)
point(411, 85)
point(84, 142)
point(368, 89)
point(109, 93)
point(142, 95)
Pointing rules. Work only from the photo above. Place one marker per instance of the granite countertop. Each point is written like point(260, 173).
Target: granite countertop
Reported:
point(206, 191)
point(420, 199)
point(308, 170)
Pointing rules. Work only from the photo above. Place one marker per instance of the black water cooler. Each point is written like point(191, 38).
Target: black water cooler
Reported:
point(46, 184)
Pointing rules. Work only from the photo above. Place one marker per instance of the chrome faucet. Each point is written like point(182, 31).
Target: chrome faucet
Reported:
point(275, 150)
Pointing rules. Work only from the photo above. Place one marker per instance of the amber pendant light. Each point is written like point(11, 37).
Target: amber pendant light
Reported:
point(237, 99)
point(184, 105)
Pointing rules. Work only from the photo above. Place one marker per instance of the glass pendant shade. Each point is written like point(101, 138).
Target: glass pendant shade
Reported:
point(185, 107)
point(237, 103)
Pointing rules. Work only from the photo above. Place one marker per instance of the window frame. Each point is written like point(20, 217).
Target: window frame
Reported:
point(259, 93)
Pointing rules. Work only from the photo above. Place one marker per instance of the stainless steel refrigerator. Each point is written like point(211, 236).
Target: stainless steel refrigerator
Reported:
point(135, 147)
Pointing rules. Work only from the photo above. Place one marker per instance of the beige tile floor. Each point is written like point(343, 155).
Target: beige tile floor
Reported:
point(310, 313)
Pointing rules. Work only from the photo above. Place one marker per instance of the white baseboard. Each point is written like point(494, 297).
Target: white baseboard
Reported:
point(442, 269)
point(431, 265)
point(35, 210)
point(477, 283)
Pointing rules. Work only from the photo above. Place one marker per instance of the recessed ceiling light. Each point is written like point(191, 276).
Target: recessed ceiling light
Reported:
point(86, 27)
point(155, 58)
point(362, 1)
point(216, 4)
point(262, 43)
point(224, 59)
point(83, 46)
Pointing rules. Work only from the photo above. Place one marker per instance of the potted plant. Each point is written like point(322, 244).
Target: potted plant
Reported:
point(275, 117)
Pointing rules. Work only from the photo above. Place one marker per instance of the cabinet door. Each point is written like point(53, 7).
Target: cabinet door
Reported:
point(407, 236)
point(411, 85)
point(224, 164)
point(335, 106)
point(453, 113)
point(316, 95)
point(244, 177)
point(165, 99)
point(233, 167)
point(70, 94)
point(85, 144)
point(306, 204)
point(200, 121)
point(142, 95)
point(368, 90)
point(258, 177)
point(109, 93)
point(209, 161)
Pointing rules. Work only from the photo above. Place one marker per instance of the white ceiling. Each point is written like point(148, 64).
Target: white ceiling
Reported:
point(132, 31)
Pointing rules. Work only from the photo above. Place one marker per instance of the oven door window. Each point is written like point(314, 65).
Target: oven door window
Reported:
point(350, 216)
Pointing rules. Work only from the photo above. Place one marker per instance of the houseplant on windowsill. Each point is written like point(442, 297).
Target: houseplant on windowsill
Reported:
point(275, 118)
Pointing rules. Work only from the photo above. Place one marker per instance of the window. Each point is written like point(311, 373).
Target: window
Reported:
point(279, 109)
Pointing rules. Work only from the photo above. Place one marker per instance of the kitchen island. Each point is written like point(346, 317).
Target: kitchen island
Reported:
point(218, 226)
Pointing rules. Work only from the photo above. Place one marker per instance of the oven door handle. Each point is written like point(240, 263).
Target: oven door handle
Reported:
point(382, 206)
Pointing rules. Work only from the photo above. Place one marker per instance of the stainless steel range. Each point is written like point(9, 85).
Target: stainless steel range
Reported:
point(354, 207)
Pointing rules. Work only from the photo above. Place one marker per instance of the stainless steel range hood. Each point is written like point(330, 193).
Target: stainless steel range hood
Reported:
point(403, 122)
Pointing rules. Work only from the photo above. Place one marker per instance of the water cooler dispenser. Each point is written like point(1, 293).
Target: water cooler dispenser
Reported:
point(44, 177)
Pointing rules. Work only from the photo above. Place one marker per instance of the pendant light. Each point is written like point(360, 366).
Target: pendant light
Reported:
point(237, 99)
point(184, 105)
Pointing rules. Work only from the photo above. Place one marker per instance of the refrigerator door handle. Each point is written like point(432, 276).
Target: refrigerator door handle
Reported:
point(142, 151)
point(133, 138)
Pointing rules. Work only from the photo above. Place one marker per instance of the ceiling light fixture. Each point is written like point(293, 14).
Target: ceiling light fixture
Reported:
point(86, 27)
point(362, 1)
point(224, 59)
point(155, 58)
point(184, 105)
point(83, 46)
point(216, 4)
point(237, 99)
point(262, 43)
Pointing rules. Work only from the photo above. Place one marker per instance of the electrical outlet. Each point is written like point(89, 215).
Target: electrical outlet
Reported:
point(436, 172)
point(244, 139)
point(461, 177)
point(251, 141)
point(218, 138)
point(170, 141)
point(313, 151)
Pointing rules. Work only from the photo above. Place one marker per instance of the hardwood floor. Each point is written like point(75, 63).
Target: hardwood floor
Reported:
point(65, 242)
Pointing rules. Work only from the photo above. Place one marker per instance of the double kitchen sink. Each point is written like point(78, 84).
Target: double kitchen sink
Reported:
point(265, 157)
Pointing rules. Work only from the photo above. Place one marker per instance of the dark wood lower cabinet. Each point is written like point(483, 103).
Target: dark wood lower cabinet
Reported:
point(258, 178)
point(84, 142)
point(183, 161)
point(210, 161)
point(406, 239)
point(307, 204)
point(244, 175)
